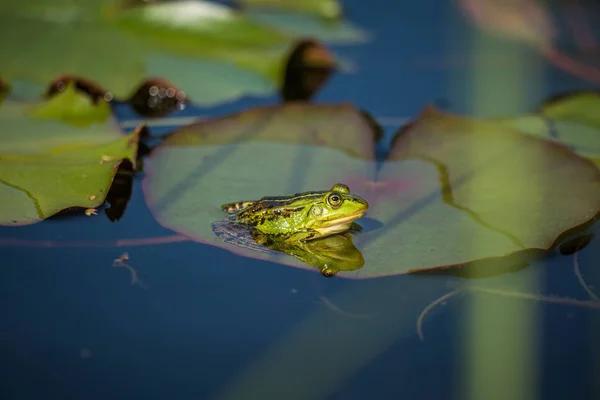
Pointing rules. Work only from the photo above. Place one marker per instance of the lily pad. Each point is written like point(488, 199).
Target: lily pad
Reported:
point(581, 107)
point(48, 163)
point(95, 38)
point(571, 119)
point(288, 143)
point(453, 191)
point(486, 191)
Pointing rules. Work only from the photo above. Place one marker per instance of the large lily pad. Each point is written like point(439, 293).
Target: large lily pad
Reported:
point(453, 190)
point(486, 191)
point(206, 158)
point(49, 162)
point(95, 38)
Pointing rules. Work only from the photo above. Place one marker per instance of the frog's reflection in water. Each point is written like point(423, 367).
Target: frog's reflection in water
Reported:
point(329, 255)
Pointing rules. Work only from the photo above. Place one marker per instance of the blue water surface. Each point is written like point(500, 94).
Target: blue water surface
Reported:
point(204, 323)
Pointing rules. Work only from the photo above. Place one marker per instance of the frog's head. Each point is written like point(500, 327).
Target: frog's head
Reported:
point(334, 211)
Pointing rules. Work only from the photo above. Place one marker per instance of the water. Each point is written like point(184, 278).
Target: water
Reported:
point(204, 323)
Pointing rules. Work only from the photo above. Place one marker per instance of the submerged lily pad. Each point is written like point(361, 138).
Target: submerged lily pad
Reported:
point(453, 190)
point(48, 163)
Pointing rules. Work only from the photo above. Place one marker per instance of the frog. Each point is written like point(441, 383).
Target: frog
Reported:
point(299, 217)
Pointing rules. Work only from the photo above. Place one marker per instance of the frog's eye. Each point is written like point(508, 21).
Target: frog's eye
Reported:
point(334, 199)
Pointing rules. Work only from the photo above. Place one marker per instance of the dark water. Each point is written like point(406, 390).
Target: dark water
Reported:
point(204, 321)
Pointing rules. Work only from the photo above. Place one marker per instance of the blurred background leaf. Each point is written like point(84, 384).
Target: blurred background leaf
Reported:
point(119, 43)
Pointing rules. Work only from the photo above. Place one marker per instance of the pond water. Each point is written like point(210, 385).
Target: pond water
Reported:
point(203, 323)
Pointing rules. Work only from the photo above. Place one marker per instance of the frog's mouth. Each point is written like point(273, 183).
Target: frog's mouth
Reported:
point(338, 225)
point(343, 220)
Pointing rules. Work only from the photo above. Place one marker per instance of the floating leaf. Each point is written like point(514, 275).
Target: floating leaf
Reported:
point(202, 166)
point(582, 107)
point(512, 192)
point(308, 68)
point(197, 27)
point(571, 119)
point(48, 165)
point(44, 48)
point(95, 38)
point(447, 180)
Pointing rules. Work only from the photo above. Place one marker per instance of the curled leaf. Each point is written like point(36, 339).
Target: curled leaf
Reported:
point(87, 86)
point(72, 105)
point(308, 67)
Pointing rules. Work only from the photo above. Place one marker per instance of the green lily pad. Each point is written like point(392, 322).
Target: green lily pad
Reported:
point(95, 38)
point(453, 191)
point(572, 119)
point(48, 163)
point(290, 143)
point(487, 191)
point(582, 107)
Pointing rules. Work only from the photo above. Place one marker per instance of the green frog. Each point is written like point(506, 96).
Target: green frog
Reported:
point(300, 217)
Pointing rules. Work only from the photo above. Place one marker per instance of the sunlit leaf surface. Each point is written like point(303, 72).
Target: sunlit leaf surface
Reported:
point(322, 8)
point(447, 178)
point(48, 162)
point(96, 38)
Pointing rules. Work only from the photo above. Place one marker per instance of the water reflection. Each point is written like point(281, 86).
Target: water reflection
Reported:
point(329, 255)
